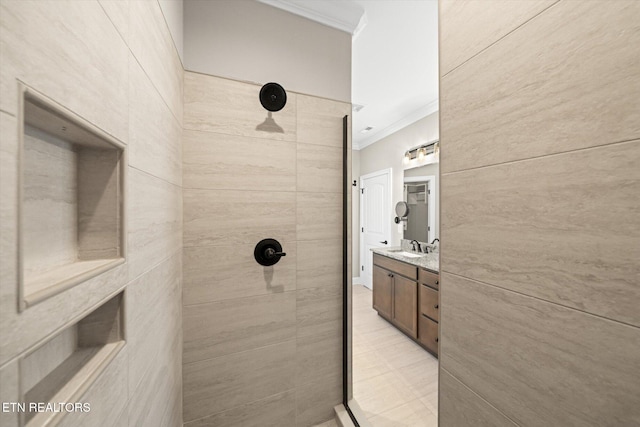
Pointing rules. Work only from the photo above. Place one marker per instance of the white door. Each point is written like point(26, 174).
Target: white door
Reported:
point(375, 219)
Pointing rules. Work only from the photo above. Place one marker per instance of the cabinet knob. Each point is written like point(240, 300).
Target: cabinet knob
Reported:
point(437, 339)
point(435, 306)
point(437, 282)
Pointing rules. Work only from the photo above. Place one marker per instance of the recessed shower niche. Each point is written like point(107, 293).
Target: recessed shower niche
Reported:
point(63, 367)
point(71, 183)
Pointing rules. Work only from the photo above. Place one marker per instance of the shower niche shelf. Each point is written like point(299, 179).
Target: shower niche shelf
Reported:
point(65, 365)
point(71, 204)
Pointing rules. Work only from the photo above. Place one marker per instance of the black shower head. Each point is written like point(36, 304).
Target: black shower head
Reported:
point(273, 97)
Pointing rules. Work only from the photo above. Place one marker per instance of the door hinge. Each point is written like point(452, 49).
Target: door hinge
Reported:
point(363, 268)
point(362, 190)
point(428, 191)
point(363, 229)
point(428, 228)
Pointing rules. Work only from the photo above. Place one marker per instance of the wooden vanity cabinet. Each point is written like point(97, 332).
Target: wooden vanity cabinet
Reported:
point(395, 293)
point(408, 297)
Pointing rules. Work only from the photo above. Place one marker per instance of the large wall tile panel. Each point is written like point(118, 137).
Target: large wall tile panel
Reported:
point(510, 346)
point(154, 132)
point(245, 325)
point(572, 83)
point(79, 54)
point(462, 407)
point(540, 142)
point(75, 42)
point(552, 220)
point(152, 45)
point(229, 162)
point(467, 27)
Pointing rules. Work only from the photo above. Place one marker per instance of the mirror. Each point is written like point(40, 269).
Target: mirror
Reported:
point(421, 197)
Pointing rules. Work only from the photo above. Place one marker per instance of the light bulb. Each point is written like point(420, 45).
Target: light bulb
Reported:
point(421, 154)
point(407, 157)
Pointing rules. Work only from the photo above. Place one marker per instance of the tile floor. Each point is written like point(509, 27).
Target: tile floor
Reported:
point(395, 381)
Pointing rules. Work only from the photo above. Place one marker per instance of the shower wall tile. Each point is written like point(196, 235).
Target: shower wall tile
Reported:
point(230, 162)
point(319, 216)
point(319, 310)
point(233, 108)
point(319, 263)
point(107, 396)
point(164, 378)
point(227, 217)
point(510, 346)
point(545, 228)
point(246, 185)
point(151, 333)
point(224, 327)
point(154, 221)
point(215, 273)
point(320, 121)
point(151, 43)
point(9, 392)
point(462, 407)
point(543, 107)
point(81, 51)
point(275, 410)
point(467, 27)
point(318, 357)
point(226, 382)
point(118, 13)
point(319, 168)
point(315, 401)
point(8, 217)
point(154, 133)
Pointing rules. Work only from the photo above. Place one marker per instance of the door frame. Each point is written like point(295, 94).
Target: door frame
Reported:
point(431, 179)
point(389, 172)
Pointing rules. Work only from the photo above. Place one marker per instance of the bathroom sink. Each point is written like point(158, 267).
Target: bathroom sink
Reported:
point(405, 253)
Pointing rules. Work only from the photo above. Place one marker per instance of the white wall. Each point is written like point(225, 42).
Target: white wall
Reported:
point(389, 153)
point(251, 41)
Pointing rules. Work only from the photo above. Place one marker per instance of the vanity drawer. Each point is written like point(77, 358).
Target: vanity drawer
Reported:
point(429, 278)
point(429, 305)
point(399, 267)
point(428, 333)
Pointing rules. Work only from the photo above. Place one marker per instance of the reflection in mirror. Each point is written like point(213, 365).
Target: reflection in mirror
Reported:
point(421, 196)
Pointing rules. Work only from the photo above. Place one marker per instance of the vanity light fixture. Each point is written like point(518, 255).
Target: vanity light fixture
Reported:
point(423, 153)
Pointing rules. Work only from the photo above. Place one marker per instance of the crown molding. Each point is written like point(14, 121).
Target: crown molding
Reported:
point(418, 114)
point(346, 16)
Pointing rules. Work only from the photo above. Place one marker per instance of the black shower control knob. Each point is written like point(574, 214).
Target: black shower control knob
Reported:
point(268, 252)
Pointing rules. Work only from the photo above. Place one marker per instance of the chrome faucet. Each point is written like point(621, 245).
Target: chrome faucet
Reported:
point(413, 245)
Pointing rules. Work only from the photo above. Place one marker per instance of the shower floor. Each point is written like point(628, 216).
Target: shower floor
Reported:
point(395, 381)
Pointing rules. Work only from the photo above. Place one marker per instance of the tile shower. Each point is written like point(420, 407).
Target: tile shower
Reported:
point(272, 335)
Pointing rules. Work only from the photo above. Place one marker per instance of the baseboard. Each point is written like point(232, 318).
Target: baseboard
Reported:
point(357, 281)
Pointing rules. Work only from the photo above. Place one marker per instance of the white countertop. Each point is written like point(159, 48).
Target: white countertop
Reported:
point(429, 261)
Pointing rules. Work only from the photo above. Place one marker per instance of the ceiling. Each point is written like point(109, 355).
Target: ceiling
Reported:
point(394, 58)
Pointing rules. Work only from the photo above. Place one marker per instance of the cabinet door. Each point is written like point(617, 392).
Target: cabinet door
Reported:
point(382, 291)
point(405, 305)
